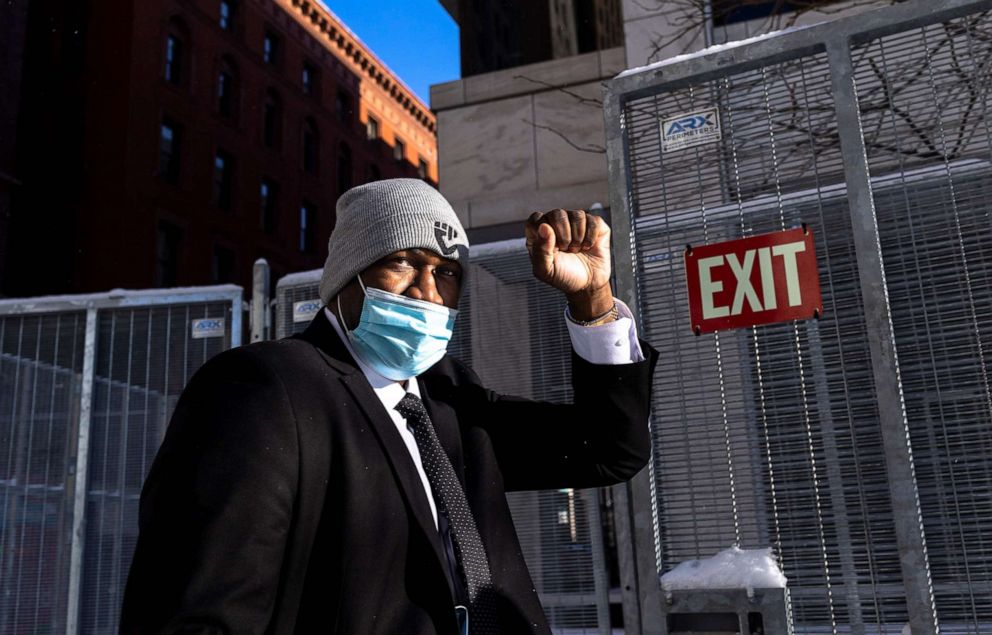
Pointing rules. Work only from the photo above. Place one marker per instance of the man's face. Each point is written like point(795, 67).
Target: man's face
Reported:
point(420, 274)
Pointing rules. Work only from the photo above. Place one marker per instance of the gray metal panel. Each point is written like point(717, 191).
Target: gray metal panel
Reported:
point(41, 376)
point(878, 319)
point(145, 356)
point(290, 291)
point(511, 331)
point(87, 385)
point(927, 130)
point(794, 435)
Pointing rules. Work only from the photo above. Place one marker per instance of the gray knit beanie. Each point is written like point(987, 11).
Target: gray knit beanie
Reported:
point(379, 218)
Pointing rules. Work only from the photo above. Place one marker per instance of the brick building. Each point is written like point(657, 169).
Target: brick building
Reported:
point(173, 142)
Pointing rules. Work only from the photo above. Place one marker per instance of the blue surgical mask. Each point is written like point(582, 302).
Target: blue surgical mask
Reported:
point(399, 337)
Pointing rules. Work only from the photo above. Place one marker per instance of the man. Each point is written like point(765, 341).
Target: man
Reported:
point(351, 479)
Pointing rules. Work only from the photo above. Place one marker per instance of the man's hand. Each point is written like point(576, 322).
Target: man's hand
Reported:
point(570, 250)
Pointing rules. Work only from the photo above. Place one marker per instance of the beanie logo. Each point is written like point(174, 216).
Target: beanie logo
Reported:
point(445, 233)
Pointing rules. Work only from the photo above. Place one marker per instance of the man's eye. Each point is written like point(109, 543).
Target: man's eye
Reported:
point(452, 273)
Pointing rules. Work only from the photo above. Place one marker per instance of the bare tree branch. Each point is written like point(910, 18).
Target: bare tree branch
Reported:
point(592, 147)
point(585, 101)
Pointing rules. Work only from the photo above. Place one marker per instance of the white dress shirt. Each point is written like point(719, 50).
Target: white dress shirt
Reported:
point(608, 344)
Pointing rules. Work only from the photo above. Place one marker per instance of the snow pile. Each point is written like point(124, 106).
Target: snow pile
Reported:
point(300, 277)
point(712, 49)
point(733, 568)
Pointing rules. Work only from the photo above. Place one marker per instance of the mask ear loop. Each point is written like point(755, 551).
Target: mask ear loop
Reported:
point(338, 298)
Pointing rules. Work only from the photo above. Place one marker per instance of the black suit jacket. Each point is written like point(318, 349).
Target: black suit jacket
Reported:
point(284, 500)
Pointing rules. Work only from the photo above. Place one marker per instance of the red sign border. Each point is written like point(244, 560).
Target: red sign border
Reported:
point(811, 308)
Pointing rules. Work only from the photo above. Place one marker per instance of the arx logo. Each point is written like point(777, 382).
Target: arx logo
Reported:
point(308, 307)
point(694, 122)
point(445, 233)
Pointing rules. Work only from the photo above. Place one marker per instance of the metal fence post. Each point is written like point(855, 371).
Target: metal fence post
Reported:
point(634, 509)
point(601, 582)
point(885, 364)
point(82, 468)
point(260, 301)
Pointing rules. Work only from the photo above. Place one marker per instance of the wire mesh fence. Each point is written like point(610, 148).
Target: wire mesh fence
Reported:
point(87, 386)
point(867, 472)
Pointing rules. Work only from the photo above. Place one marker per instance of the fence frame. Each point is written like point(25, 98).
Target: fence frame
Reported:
point(636, 525)
point(92, 304)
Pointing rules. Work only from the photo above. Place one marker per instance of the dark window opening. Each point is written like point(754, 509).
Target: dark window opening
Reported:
point(167, 255)
point(399, 149)
point(268, 195)
point(170, 144)
point(374, 173)
point(271, 48)
point(222, 265)
point(343, 107)
point(223, 180)
point(309, 79)
point(271, 120)
point(344, 168)
point(228, 14)
point(372, 128)
point(174, 59)
point(311, 142)
point(421, 168)
point(227, 89)
point(308, 228)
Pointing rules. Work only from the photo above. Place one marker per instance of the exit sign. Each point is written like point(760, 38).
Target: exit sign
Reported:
point(757, 280)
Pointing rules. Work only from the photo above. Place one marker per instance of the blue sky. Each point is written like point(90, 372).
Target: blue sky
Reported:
point(417, 39)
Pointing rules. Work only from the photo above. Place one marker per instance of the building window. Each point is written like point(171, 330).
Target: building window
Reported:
point(308, 227)
point(343, 107)
point(311, 142)
point(173, 59)
point(268, 194)
point(310, 79)
point(223, 180)
point(421, 168)
point(399, 149)
point(227, 89)
point(270, 49)
point(271, 120)
point(169, 146)
point(372, 128)
point(228, 14)
point(167, 255)
point(373, 173)
point(222, 265)
point(344, 168)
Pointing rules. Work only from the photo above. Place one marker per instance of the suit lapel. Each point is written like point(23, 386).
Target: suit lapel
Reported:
point(322, 334)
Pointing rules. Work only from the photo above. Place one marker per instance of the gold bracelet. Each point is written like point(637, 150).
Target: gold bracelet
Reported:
point(609, 316)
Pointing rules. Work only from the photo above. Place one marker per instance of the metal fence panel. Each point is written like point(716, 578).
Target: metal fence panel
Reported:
point(41, 362)
point(798, 435)
point(87, 386)
point(144, 358)
point(512, 332)
point(925, 94)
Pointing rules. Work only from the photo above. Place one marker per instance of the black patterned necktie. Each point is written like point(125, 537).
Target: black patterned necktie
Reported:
point(450, 499)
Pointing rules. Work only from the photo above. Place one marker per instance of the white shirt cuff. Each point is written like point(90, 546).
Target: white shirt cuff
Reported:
point(612, 343)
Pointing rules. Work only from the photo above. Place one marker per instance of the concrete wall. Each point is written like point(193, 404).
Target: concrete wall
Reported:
point(524, 139)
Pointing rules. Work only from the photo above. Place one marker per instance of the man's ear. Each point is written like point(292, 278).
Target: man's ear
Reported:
point(351, 299)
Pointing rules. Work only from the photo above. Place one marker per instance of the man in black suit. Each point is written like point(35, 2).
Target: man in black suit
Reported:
point(352, 479)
